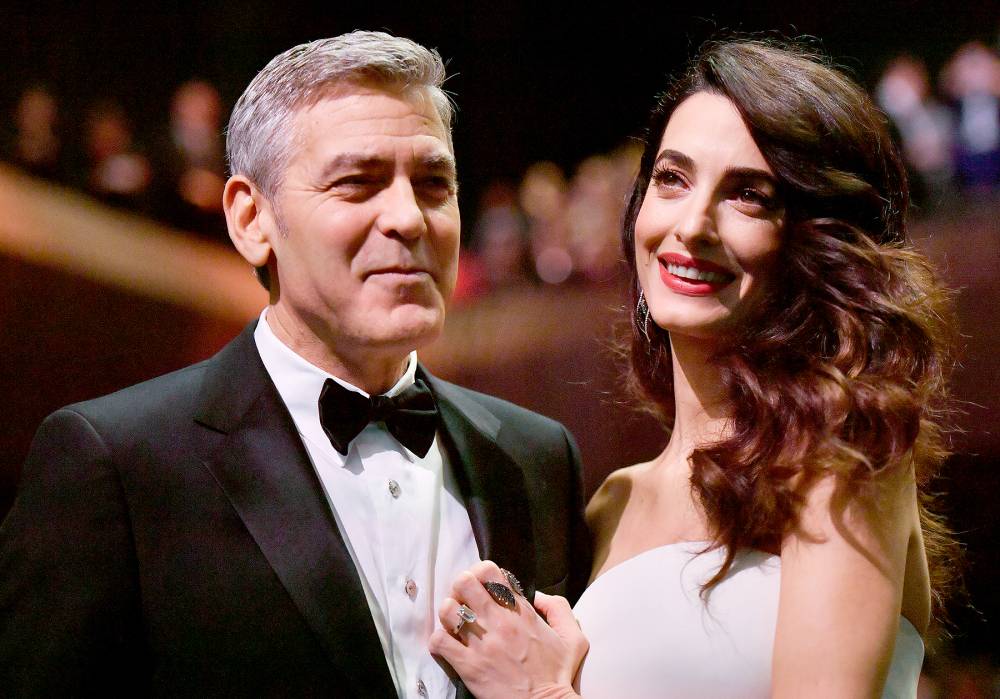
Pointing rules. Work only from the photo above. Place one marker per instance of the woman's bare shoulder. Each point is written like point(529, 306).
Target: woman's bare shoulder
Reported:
point(604, 512)
point(609, 500)
point(849, 567)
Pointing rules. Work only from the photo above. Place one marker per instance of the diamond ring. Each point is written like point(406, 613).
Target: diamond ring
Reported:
point(465, 616)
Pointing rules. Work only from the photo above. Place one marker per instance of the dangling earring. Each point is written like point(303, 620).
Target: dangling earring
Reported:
point(642, 314)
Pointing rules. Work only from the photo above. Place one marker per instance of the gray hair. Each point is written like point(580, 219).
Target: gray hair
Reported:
point(260, 133)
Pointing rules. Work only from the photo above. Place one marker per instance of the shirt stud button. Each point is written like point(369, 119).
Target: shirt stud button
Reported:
point(394, 489)
point(421, 688)
point(411, 589)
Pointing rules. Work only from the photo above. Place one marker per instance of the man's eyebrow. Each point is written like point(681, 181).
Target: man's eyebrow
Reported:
point(359, 161)
point(353, 161)
point(439, 162)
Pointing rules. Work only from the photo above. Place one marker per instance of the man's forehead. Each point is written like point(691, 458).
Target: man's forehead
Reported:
point(368, 97)
point(342, 87)
point(367, 115)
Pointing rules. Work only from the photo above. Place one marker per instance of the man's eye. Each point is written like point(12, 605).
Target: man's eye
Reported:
point(437, 183)
point(355, 181)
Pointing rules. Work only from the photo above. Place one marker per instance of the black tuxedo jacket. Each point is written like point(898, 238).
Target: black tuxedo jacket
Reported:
point(173, 539)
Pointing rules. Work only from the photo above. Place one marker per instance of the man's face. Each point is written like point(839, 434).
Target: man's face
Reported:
point(367, 253)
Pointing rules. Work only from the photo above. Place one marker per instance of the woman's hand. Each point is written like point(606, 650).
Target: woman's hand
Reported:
point(509, 652)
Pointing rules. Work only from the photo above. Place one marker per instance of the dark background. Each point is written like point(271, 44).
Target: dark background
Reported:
point(533, 81)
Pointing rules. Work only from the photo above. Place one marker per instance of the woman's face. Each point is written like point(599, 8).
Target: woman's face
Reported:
point(708, 232)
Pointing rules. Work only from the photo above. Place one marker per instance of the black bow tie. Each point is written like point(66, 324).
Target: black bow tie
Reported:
point(411, 416)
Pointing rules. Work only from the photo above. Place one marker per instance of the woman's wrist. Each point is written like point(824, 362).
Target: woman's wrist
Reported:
point(554, 691)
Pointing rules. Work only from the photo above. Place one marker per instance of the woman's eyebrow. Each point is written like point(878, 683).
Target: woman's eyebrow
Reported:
point(675, 156)
point(750, 173)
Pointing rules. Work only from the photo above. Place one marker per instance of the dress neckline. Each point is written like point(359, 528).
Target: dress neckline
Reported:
point(698, 544)
point(697, 547)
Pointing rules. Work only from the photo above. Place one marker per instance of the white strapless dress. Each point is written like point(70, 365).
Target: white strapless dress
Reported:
point(652, 637)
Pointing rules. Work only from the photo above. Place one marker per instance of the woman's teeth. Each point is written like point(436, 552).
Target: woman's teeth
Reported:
point(697, 275)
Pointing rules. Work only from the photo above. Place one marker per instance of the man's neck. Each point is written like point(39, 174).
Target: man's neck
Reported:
point(371, 371)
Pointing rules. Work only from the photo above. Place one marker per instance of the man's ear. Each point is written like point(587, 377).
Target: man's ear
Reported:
point(249, 219)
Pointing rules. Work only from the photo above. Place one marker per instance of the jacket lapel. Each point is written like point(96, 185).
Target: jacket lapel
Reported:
point(265, 471)
point(492, 483)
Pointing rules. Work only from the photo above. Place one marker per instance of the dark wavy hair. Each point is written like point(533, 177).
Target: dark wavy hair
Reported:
point(843, 368)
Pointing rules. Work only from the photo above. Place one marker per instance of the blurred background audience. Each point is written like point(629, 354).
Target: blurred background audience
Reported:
point(116, 173)
point(114, 267)
point(191, 161)
point(36, 145)
point(548, 228)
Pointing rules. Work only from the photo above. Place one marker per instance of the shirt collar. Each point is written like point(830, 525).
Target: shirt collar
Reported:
point(299, 381)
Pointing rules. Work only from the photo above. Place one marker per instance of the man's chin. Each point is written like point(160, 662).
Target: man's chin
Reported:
point(411, 327)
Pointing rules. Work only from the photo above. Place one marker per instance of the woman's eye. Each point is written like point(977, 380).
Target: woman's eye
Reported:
point(753, 197)
point(667, 178)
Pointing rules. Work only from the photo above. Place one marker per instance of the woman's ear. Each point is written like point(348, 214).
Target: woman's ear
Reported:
point(249, 219)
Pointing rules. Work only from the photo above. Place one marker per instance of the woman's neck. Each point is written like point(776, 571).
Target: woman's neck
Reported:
point(701, 410)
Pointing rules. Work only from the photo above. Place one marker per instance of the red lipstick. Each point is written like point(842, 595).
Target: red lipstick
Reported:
point(692, 277)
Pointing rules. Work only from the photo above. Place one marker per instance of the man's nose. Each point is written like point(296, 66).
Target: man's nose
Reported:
point(401, 214)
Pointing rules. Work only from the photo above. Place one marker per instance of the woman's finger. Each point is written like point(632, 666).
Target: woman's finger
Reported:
point(485, 571)
point(559, 615)
point(445, 645)
point(458, 619)
point(553, 607)
point(468, 589)
point(448, 613)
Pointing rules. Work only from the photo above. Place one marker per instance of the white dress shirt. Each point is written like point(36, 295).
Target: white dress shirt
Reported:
point(401, 516)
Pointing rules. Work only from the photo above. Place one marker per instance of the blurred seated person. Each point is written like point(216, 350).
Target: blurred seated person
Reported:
point(191, 162)
point(35, 145)
point(117, 173)
point(972, 80)
point(595, 206)
point(500, 240)
point(924, 127)
point(543, 198)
